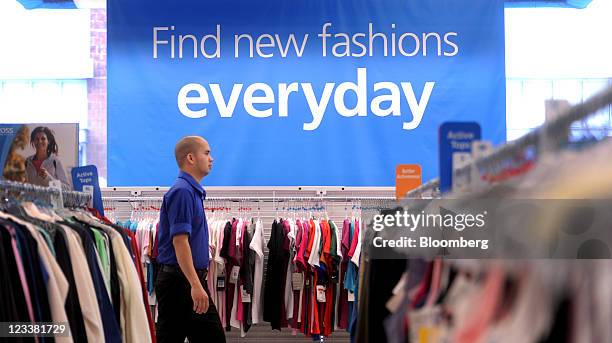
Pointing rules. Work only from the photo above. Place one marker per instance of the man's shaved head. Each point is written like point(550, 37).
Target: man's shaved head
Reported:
point(185, 146)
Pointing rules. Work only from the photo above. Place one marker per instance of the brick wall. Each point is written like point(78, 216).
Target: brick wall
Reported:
point(96, 94)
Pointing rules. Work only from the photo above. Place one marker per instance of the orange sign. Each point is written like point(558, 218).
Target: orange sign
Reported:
point(407, 178)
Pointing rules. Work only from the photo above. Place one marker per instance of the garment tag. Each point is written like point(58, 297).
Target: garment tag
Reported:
point(235, 274)
point(221, 283)
point(307, 282)
point(59, 201)
point(297, 280)
point(246, 297)
point(321, 293)
point(351, 297)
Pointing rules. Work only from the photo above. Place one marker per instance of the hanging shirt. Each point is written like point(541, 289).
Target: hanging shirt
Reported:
point(21, 272)
point(220, 272)
point(257, 245)
point(112, 331)
point(72, 305)
point(357, 252)
point(274, 282)
point(315, 253)
point(85, 288)
point(102, 250)
point(289, 229)
point(134, 322)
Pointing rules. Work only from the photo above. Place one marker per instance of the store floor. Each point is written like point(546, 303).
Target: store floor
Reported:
point(264, 333)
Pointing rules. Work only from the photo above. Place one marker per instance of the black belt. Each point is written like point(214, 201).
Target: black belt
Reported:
point(174, 268)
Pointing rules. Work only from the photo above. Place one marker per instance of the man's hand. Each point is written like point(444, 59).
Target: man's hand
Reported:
point(200, 299)
point(183, 256)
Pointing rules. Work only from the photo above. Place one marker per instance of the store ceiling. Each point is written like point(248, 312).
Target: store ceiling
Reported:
point(548, 3)
point(67, 4)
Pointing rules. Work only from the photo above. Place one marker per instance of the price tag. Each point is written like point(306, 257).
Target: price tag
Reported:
point(297, 279)
point(321, 293)
point(57, 184)
point(246, 297)
point(235, 274)
point(89, 189)
point(351, 297)
point(221, 283)
point(59, 201)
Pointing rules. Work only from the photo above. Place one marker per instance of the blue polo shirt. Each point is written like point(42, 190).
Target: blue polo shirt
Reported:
point(182, 212)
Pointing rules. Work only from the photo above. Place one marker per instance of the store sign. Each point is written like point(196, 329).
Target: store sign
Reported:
point(85, 179)
point(407, 178)
point(299, 92)
point(454, 137)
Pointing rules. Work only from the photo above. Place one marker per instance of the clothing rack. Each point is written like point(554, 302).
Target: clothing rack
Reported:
point(254, 199)
point(430, 187)
point(48, 196)
point(548, 138)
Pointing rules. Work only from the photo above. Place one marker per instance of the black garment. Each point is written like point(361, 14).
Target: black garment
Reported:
point(177, 319)
point(73, 305)
point(247, 273)
point(13, 307)
point(227, 233)
point(381, 278)
point(274, 283)
point(114, 284)
point(36, 275)
point(112, 333)
point(14, 291)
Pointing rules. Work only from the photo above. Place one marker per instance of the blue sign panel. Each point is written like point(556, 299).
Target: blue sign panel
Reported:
point(298, 92)
point(454, 137)
point(88, 176)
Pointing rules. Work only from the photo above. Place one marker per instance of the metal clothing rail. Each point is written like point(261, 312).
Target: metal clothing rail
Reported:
point(429, 186)
point(547, 138)
point(50, 196)
point(255, 198)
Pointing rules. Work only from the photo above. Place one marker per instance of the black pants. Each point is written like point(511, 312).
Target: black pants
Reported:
point(177, 319)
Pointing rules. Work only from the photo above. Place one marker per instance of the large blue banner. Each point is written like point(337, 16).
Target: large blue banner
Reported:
point(298, 92)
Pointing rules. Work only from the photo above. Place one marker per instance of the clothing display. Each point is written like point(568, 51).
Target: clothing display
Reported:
point(298, 279)
point(72, 267)
point(506, 300)
point(307, 263)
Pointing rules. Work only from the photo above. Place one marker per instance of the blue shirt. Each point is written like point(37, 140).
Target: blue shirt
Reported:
point(182, 212)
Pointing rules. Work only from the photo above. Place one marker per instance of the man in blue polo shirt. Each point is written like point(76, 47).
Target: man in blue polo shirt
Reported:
point(185, 309)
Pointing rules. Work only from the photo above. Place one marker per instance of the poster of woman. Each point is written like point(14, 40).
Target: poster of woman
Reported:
point(39, 153)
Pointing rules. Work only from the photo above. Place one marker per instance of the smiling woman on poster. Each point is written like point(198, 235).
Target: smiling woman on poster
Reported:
point(44, 166)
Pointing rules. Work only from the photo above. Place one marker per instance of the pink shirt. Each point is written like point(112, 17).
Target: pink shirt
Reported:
point(355, 239)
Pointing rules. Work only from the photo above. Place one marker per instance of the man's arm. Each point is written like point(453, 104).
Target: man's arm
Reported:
point(185, 261)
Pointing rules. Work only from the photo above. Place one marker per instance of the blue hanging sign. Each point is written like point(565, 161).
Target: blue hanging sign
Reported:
point(88, 176)
point(454, 137)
